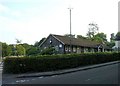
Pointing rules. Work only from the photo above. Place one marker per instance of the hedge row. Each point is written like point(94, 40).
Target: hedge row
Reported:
point(55, 62)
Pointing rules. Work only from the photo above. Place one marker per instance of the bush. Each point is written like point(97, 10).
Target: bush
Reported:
point(48, 51)
point(55, 62)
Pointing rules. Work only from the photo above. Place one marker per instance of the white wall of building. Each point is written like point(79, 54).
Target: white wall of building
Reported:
point(117, 44)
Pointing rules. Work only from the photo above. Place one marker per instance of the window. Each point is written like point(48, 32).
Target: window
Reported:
point(74, 49)
point(60, 45)
point(66, 48)
point(50, 41)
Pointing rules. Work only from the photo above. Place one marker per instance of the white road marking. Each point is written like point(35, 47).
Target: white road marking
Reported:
point(40, 77)
point(88, 80)
point(18, 81)
point(54, 76)
point(27, 80)
point(21, 81)
point(33, 79)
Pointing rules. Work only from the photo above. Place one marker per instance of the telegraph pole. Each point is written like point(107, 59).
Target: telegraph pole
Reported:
point(70, 19)
point(70, 30)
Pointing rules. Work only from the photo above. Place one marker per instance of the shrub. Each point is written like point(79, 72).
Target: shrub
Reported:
point(48, 51)
point(55, 62)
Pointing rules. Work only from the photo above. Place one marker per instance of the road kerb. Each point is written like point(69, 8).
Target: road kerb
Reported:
point(52, 73)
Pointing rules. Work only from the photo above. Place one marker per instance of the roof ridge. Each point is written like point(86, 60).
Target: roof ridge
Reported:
point(77, 38)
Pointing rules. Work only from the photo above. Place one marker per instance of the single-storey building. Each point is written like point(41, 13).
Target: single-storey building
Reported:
point(65, 44)
point(117, 42)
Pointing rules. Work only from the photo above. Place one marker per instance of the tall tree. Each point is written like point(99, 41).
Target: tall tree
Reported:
point(100, 37)
point(18, 41)
point(80, 36)
point(112, 38)
point(93, 29)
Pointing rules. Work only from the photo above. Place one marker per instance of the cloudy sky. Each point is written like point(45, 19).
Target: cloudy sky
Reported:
point(31, 20)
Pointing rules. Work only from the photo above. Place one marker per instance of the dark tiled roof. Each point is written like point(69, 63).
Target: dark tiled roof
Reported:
point(77, 42)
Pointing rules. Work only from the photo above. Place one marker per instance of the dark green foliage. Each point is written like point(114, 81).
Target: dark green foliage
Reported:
point(110, 44)
point(48, 51)
point(118, 36)
point(30, 49)
point(6, 50)
point(38, 43)
point(56, 62)
point(80, 36)
point(20, 50)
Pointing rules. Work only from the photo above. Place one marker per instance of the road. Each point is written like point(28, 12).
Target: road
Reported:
point(0, 74)
point(101, 75)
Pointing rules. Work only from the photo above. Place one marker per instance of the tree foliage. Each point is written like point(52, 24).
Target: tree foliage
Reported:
point(33, 51)
point(111, 44)
point(100, 37)
point(93, 29)
point(18, 41)
point(30, 49)
point(48, 51)
point(118, 36)
point(6, 50)
point(80, 36)
point(37, 43)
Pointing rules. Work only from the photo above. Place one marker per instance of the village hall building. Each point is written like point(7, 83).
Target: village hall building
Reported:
point(65, 44)
point(117, 43)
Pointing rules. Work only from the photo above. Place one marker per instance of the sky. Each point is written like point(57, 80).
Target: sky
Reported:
point(31, 20)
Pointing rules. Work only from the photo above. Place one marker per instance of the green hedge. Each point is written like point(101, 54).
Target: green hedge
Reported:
point(55, 62)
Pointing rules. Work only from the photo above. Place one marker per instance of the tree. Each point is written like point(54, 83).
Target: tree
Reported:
point(20, 50)
point(118, 36)
point(80, 36)
point(13, 49)
point(48, 51)
point(37, 43)
point(6, 50)
point(26, 46)
point(112, 38)
point(111, 44)
point(100, 37)
point(18, 41)
point(93, 29)
point(32, 51)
